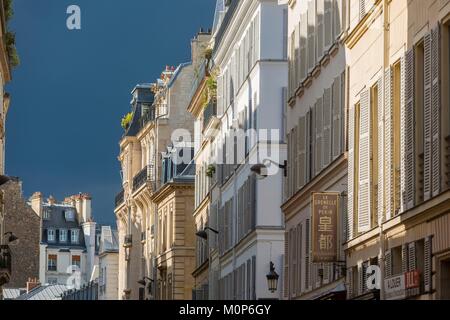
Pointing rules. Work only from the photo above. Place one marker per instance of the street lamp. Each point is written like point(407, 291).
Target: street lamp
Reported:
point(272, 278)
point(261, 168)
point(204, 235)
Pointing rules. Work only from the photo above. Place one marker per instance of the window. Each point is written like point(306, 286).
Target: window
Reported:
point(419, 117)
point(396, 137)
point(76, 263)
point(374, 156)
point(62, 235)
point(52, 262)
point(74, 235)
point(356, 164)
point(445, 122)
point(397, 261)
point(51, 235)
point(69, 215)
point(47, 213)
point(52, 281)
point(444, 279)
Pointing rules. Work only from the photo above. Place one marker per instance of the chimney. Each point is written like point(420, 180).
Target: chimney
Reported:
point(86, 207)
point(32, 283)
point(36, 203)
point(51, 200)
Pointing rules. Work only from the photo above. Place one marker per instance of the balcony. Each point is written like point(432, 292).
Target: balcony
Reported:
point(201, 74)
point(147, 174)
point(5, 264)
point(120, 198)
point(128, 241)
point(210, 120)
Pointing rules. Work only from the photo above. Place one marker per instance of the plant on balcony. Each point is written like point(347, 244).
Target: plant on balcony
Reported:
point(126, 120)
point(210, 92)
point(10, 37)
point(211, 170)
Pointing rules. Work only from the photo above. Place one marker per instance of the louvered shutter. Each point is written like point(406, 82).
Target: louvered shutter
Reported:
point(220, 95)
point(254, 278)
point(303, 45)
point(320, 17)
point(301, 152)
point(364, 267)
point(402, 133)
point(337, 118)
point(412, 262)
point(408, 134)
point(360, 279)
point(327, 127)
point(319, 136)
point(428, 111)
point(328, 16)
point(365, 150)
point(311, 34)
point(338, 21)
point(436, 110)
point(362, 9)
point(296, 57)
point(388, 144)
point(286, 266)
point(388, 263)
point(299, 258)
point(308, 147)
point(313, 142)
point(405, 258)
point(249, 266)
point(289, 166)
point(350, 283)
point(293, 280)
point(295, 155)
point(253, 202)
point(381, 164)
point(428, 264)
point(307, 256)
point(351, 176)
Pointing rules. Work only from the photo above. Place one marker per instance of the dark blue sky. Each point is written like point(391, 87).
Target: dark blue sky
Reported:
point(72, 87)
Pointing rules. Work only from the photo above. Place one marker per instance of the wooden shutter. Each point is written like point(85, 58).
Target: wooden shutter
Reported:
point(296, 57)
point(301, 146)
point(381, 164)
point(303, 46)
point(388, 144)
point(308, 147)
point(254, 278)
point(436, 110)
point(412, 262)
point(253, 204)
point(337, 118)
point(362, 9)
point(220, 95)
point(365, 150)
point(388, 263)
point(327, 127)
point(408, 134)
point(319, 136)
point(295, 156)
point(311, 34)
point(338, 20)
point(328, 16)
point(248, 282)
point(307, 256)
point(351, 176)
point(402, 134)
point(299, 258)
point(428, 131)
point(349, 283)
point(320, 17)
point(289, 166)
point(293, 279)
point(428, 264)
point(404, 258)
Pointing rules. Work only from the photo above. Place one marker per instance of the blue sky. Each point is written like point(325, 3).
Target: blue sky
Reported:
point(72, 87)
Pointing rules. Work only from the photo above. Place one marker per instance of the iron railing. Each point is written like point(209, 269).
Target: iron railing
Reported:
point(209, 112)
point(5, 264)
point(201, 74)
point(147, 174)
point(120, 198)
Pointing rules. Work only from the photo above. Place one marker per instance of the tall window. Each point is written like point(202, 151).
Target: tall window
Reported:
point(356, 162)
point(374, 156)
point(52, 262)
point(446, 104)
point(74, 236)
point(51, 235)
point(419, 117)
point(62, 235)
point(76, 263)
point(396, 136)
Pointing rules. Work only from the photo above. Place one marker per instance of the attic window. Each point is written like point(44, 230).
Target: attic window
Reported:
point(69, 215)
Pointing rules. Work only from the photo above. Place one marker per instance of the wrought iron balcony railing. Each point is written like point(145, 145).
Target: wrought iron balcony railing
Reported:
point(5, 264)
point(120, 198)
point(147, 174)
point(209, 112)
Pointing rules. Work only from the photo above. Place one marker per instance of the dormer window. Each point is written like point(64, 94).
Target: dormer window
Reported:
point(74, 236)
point(51, 235)
point(62, 235)
point(69, 215)
point(46, 214)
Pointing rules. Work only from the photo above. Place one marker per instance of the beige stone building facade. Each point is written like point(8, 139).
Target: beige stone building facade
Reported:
point(398, 180)
point(158, 110)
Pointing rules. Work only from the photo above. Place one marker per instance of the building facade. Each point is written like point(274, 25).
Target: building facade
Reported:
point(315, 119)
point(175, 247)
point(250, 57)
point(68, 240)
point(398, 180)
point(159, 111)
point(108, 264)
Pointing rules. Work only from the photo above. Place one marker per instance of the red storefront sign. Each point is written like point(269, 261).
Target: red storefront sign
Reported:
point(412, 279)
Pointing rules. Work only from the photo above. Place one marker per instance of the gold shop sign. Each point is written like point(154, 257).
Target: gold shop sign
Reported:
point(325, 212)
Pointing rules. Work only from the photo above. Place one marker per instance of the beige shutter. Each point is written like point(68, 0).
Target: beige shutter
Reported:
point(402, 134)
point(337, 118)
point(412, 262)
point(365, 151)
point(296, 57)
point(428, 131)
point(428, 264)
point(308, 147)
point(338, 21)
point(362, 9)
point(351, 166)
point(408, 134)
point(303, 46)
point(381, 164)
point(319, 136)
point(295, 155)
point(327, 126)
point(286, 266)
point(289, 166)
point(328, 24)
point(405, 258)
point(299, 258)
point(301, 152)
point(307, 256)
point(436, 110)
point(220, 89)
point(293, 279)
point(313, 142)
point(388, 263)
point(320, 16)
point(349, 283)
point(311, 34)
point(388, 144)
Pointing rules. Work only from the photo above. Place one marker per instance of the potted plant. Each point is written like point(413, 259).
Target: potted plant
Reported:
point(126, 120)
point(211, 170)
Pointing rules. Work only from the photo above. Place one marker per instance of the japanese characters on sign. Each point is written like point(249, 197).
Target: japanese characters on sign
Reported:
point(325, 209)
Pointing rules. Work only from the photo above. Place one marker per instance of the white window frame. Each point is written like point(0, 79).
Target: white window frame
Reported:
point(61, 232)
point(53, 233)
point(72, 238)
